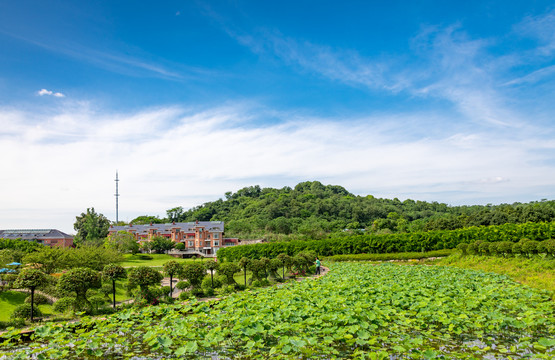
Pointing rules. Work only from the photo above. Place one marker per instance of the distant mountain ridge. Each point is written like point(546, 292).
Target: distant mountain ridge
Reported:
point(313, 210)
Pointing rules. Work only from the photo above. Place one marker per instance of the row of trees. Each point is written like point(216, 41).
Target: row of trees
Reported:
point(344, 244)
point(524, 247)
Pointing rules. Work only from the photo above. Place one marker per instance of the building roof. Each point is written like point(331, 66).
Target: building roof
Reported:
point(34, 234)
point(211, 226)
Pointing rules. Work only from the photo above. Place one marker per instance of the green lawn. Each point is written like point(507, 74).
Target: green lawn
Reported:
point(9, 300)
point(157, 260)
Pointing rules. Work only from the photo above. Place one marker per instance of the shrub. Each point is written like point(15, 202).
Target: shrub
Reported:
point(530, 247)
point(463, 248)
point(207, 283)
point(198, 292)
point(97, 301)
point(39, 299)
point(483, 248)
point(182, 285)
point(165, 290)
point(184, 295)
point(549, 246)
point(208, 292)
point(23, 311)
point(505, 248)
point(194, 272)
point(261, 283)
point(64, 304)
point(145, 257)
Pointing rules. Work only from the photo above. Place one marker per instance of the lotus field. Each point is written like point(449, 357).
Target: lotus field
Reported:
point(356, 311)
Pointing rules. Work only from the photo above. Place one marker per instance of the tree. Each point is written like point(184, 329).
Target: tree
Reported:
point(90, 226)
point(123, 242)
point(161, 244)
point(79, 280)
point(175, 214)
point(229, 269)
point(211, 265)
point(193, 272)
point(172, 268)
point(285, 261)
point(113, 272)
point(30, 279)
point(144, 276)
point(244, 264)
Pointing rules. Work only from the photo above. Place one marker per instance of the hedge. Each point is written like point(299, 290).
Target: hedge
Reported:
point(393, 243)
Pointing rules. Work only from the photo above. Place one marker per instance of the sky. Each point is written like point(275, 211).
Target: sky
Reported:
point(441, 101)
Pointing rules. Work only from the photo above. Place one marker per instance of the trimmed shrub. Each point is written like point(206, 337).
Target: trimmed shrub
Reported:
point(182, 285)
point(207, 283)
point(504, 248)
point(39, 299)
point(23, 311)
point(463, 248)
point(64, 304)
point(483, 248)
point(530, 247)
point(184, 295)
point(198, 292)
point(549, 246)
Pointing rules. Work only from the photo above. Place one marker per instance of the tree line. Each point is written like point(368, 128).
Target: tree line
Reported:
point(313, 210)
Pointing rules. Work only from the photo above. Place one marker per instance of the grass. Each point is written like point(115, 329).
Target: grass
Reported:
point(9, 300)
point(534, 272)
point(158, 260)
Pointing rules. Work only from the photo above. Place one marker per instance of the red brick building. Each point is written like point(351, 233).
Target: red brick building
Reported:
point(49, 237)
point(200, 237)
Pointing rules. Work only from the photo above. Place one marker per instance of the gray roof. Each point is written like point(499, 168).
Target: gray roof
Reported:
point(211, 226)
point(34, 234)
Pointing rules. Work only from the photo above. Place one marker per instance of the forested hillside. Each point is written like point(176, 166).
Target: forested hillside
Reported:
point(314, 210)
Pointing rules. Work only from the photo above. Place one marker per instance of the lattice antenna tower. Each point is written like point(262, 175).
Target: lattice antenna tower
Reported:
point(117, 196)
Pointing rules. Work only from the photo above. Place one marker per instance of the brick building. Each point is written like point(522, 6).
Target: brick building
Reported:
point(49, 237)
point(199, 237)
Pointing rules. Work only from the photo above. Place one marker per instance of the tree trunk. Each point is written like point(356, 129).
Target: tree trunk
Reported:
point(114, 292)
point(32, 302)
point(171, 283)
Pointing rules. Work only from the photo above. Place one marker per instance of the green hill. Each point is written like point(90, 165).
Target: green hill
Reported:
point(314, 210)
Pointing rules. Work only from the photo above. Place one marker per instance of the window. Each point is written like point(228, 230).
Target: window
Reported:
point(216, 243)
point(216, 236)
point(191, 244)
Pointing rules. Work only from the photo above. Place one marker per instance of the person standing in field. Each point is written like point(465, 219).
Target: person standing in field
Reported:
point(317, 266)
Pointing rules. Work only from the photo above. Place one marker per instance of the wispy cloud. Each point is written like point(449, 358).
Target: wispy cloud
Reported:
point(196, 155)
point(42, 92)
point(138, 65)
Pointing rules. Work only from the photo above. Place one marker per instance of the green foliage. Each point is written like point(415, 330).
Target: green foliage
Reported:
point(194, 272)
point(207, 283)
point(123, 242)
point(79, 281)
point(30, 279)
point(392, 256)
point(391, 243)
point(58, 258)
point(38, 299)
point(182, 285)
point(184, 295)
point(90, 227)
point(180, 246)
point(356, 311)
point(312, 210)
point(25, 311)
point(112, 273)
point(162, 244)
point(144, 277)
point(18, 244)
point(228, 270)
point(64, 304)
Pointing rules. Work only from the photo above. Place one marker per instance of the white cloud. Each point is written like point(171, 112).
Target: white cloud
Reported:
point(62, 163)
point(42, 92)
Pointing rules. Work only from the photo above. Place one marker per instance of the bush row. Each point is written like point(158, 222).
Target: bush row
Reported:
point(392, 256)
point(524, 247)
point(392, 243)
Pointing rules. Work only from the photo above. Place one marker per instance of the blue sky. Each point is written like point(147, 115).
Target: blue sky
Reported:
point(428, 100)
